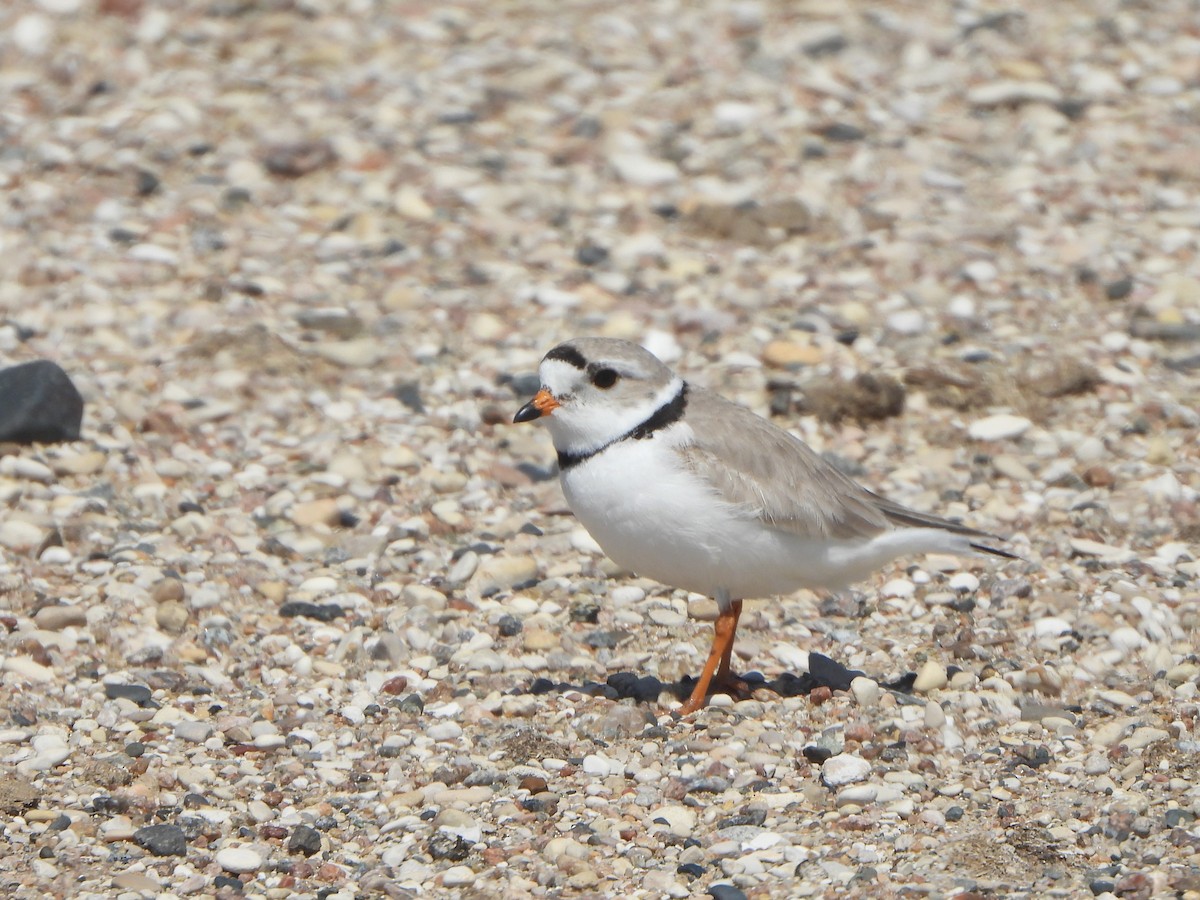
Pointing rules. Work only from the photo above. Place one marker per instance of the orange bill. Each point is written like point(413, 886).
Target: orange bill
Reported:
point(542, 404)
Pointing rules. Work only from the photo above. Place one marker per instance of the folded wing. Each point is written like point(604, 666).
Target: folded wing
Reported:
point(755, 465)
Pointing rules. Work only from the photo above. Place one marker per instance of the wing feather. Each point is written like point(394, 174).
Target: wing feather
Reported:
point(775, 476)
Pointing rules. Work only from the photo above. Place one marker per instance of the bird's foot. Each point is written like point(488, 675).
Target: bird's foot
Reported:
point(722, 683)
point(733, 685)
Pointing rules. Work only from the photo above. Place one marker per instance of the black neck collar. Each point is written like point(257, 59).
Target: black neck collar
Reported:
point(667, 414)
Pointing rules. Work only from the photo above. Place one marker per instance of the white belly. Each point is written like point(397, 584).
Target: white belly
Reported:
point(663, 523)
point(653, 517)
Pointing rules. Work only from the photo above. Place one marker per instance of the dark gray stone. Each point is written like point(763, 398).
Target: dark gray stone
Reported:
point(162, 840)
point(39, 403)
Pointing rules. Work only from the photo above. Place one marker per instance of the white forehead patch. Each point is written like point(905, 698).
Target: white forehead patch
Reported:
point(559, 377)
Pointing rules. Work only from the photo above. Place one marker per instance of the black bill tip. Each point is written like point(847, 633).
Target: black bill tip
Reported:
point(527, 413)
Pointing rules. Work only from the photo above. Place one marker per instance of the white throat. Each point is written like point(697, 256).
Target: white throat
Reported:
point(585, 428)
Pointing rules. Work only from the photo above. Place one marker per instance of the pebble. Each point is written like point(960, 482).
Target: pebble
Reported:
point(162, 840)
point(1000, 427)
point(932, 677)
point(790, 355)
point(981, 271)
point(726, 892)
point(19, 535)
point(56, 618)
point(1051, 626)
point(46, 758)
point(27, 669)
point(239, 860)
point(866, 691)
point(1144, 737)
point(192, 731)
point(172, 617)
point(444, 731)
point(497, 573)
point(844, 768)
point(323, 511)
point(1112, 732)
point(304, 840)
point(907, 322)
point(458, 876)
point(138, 882)
point(597, 764)
point(1006, 92)
point(643, 171)
point(1126, 639)
point(677, 819)
point(56, 556)
point(964, 582)
point(666, 617)
point(116, 829)
point(26, 469)
point(898, 587)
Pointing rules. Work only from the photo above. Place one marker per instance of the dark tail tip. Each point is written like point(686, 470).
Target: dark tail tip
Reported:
point(1003, 554)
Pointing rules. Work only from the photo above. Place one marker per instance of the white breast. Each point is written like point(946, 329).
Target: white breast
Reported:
point(654, 517)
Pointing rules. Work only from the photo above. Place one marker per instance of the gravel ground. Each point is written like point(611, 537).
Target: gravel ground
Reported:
point(303, 615)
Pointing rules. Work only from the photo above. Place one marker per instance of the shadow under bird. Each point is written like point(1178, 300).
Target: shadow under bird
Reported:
point(680, 485)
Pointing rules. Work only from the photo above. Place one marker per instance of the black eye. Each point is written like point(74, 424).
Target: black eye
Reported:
point(605, 378)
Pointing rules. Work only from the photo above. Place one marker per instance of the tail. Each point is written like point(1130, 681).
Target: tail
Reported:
point(910, 518)
point(1003, 554)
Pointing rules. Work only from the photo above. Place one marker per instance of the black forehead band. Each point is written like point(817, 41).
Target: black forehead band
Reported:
point(569, 355)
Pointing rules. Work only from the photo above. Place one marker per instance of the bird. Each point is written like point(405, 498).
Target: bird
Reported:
point(680, 485)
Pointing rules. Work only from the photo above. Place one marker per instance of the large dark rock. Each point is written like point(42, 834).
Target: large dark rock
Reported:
point(38, 402)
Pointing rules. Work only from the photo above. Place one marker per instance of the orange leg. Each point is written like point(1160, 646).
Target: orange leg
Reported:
point(724, 673)
point(722, 649)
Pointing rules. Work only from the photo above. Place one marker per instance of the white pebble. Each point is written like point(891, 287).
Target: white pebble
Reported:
point(239, 860)
point(934, 817)
point(678, 819)
point(667, 617)
point(596, 764)
point(965, 582)
point(898, 587)
point(961, 307)
point(791, 656)
point(627, 595)
point(55, 556)
point(1165, 487)
point(153, 253)
point(643, 171)
point(935, 716)
point(859, 795)
point(457, 876)
point(585, 543)
point(26, 469)
point(981, 271)
point(19, 535)
point(931, 677)
point(25, 667)
point(44, 761)
point(906, 321)
point(845, 768)
point(1000, 427)
point(319, 584)
point(444, 731)
point(1126, 639)
point(1050, 626)
point(32, 34)
point(866, 691)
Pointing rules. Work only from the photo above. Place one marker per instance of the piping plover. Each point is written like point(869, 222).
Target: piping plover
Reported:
point(680, 485)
